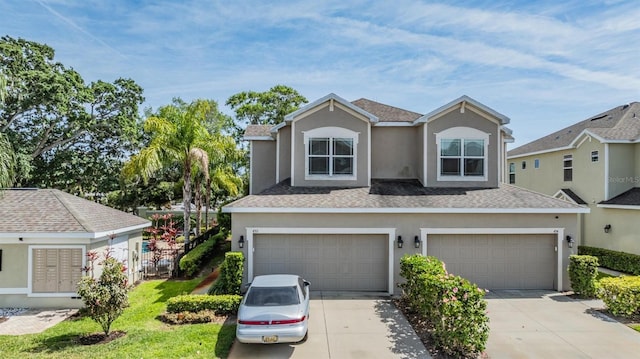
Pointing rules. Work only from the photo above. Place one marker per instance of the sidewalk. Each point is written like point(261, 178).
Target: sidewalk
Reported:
point(34, 321)
point(203, 287)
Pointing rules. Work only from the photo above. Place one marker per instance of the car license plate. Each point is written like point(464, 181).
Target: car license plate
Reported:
point(270, 339)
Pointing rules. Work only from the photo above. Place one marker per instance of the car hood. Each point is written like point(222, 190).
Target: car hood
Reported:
point(270, 313)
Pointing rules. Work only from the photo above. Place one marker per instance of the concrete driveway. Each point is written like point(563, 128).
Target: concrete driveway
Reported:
point(543, 324)
point(344, 325)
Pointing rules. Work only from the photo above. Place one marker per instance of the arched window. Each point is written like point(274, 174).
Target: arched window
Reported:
point(330, 153)
point(462, 154)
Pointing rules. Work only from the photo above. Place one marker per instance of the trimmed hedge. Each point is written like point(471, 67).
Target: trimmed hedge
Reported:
point(619, 261)
point(453, 308)
point(621, 295)
point(583, 273)
point(230, 278)
point(194, 303)
point(191, 262)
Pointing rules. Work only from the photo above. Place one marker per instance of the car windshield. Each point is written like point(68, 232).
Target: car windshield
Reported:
point(272, 296)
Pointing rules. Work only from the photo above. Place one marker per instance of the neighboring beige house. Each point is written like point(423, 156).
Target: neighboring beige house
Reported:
point(45, 235)
point(340, 191)
point(594, 163)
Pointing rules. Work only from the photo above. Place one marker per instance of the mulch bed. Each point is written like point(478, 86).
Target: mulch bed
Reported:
point(422, 330)
point(100, 338)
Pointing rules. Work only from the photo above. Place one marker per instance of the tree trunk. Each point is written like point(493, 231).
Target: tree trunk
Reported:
point(198, 201)
point(207, 203)
point(186, 199)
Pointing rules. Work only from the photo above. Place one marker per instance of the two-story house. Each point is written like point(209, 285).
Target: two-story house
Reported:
point(340, 191)
point(594, 163)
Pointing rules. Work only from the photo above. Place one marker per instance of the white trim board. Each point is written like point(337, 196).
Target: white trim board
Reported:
point(14, 291)
point(618, 206)
point(69, 235)
point(402, 210)
point(251, 231)
point(559, 232)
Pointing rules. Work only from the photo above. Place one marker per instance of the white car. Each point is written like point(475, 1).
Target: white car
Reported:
point(275, 309)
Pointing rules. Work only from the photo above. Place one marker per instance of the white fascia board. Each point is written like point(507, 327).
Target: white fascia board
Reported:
point(277, 127)
point(403, 210)
point(14, 291)
point(539, 152)
point(258, 138)
point(395, 124)
point(70, 235)
point(503, 119)
point(618, 206)
point(331, 96)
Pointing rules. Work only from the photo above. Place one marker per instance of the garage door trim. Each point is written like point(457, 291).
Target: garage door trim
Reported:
point(559, 232)
point(251, 231)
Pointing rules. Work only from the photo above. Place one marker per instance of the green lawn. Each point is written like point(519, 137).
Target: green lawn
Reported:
point(146, 336)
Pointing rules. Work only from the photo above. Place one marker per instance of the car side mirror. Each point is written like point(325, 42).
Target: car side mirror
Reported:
point(245, 288)
point(306, 283)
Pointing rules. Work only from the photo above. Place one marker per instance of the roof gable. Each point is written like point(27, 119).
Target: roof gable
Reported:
point(462, 103)
point(53, 211)
point(329, 98)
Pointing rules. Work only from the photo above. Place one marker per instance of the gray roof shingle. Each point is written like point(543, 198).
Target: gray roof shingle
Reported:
point(258, 130)
point(573, 196)
point(386, 113)
point(54, 211)
point(619, 123)
point(387, 194)
point(628, 198)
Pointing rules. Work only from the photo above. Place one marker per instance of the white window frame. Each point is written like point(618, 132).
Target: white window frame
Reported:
point(512, 172)
point(595, 156)
point(462, 134)
point(565, 159)
point(331, 133)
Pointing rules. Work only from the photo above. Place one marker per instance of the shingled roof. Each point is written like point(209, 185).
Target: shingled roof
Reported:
point(621, 123)
point(386, 113)
point(408, 195)
point(258, 131)
point(628, 198)
point(45, 211)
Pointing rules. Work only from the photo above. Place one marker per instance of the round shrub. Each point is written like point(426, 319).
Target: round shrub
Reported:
point(583, 273)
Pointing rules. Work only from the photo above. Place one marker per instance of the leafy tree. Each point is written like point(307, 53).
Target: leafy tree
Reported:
point(263, 108)
point(179, 136)
point(105, 298)
point(7, 163)
point(66, 134)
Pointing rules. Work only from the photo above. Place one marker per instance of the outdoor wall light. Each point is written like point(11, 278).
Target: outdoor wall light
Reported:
point(416, 242)
point(241, 242)
point(21, 239)
point(570, 241)
point(607, 228)
point(400, 242)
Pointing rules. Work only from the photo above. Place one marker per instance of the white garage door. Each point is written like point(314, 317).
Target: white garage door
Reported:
point(498, 261)
point(343, 262)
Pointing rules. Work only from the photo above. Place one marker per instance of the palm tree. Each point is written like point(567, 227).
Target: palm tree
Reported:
point(7, 157)
point(178, 136)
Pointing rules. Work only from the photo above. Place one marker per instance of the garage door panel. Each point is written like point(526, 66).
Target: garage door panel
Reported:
point(331, 261)
point(498, 261)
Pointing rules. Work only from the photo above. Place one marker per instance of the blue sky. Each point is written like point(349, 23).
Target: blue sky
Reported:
point(545, 64)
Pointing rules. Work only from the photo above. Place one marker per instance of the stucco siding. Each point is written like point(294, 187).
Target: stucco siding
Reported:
point(14, 266)
point(625, 229)
point(263, 165)
point(284, 145)
point(467, 119)
point(408, 226)
point(621, 169)
point(339, 117)
point(394, 152)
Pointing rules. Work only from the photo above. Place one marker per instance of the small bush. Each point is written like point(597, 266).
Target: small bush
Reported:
point(619, 261)
point(621, 295)
point(583, 273)
point(454, 308)
point(230, 278)
point(194, 303)
point(204, 316)
point(191, 262)
point(415, 268)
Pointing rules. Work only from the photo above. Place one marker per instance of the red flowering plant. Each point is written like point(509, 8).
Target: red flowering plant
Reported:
point(163, 229)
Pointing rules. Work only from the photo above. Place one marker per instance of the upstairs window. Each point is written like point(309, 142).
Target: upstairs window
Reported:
point(462, 154)
point(512, 173)
point(568, 167)
point(536, 163)
point(524, 165)
point(595, 156)
point(330, 153)
point(331, 156)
